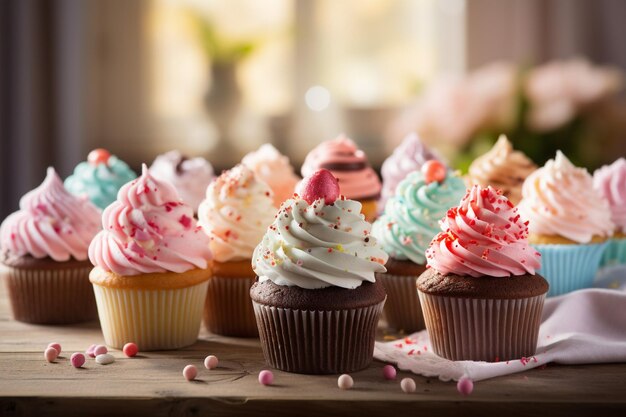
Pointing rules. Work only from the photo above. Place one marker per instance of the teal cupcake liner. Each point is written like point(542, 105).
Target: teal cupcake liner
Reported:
point(569, 268)
point(615, 253)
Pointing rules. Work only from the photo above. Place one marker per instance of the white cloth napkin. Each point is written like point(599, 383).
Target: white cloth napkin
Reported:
point(583, 327)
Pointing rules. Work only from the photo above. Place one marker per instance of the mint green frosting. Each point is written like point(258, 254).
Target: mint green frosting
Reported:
point(100, 183)
point(411, 216)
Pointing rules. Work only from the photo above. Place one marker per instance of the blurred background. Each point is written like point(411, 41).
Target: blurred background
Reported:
point(217, 78)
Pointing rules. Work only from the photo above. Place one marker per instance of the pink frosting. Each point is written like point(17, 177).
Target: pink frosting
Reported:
point(483, 236)
point(610, 181)
point(348, 164)
point(51, 222)
point(149, 229)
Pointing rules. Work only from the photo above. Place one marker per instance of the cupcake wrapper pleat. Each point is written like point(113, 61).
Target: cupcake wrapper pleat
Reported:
point(317, 342)
point(615, 253)
point(482, 329)
point(153, 319)
point(50, 296)
point(228, 308)
point(402, 309)
point(569, 268)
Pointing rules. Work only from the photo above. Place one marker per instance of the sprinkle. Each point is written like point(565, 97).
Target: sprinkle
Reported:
point(185, 221)
point(345, 382)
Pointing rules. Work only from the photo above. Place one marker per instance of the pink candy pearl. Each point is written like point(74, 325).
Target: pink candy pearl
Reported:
point(210, 362)
point(465, 386)
point(100, 350)
point(345, 381)
point(266, 377)
point(77, 359)
point(389, 372)
point(55, 345)
point(50, 354)
point(408, 385)
point(130, 349)
point(190, 372)
point(89, 351)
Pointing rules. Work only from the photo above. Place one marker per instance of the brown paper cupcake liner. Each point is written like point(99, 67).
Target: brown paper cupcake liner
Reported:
point(50, 296)
point(482, 329)
point(153, 319)
point(402, 309)
point(317, 342)
point(228, 308)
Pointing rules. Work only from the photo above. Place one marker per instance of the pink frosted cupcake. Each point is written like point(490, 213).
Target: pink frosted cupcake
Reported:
point(349, 164)
point(43, 255)
point(610, 182)
point(274, 169)
point(152, 266)
point(481, 297)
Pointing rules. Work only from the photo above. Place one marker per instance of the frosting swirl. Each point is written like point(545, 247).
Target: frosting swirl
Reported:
point(484, 235)
point(503, 168)
point(51, 222)
point(190, 177)
point(149, 229)
point(411, 216)
point(409, 156)
point(99, 182)
point(237, 210)
point(357, 179)
point(318, 245)
point(610, 181)
point(559, 199)
point(274, 169)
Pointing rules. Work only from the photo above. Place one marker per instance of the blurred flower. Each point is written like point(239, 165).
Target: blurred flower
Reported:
point(557, 91)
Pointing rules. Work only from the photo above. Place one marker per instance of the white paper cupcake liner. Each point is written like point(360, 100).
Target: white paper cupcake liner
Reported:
point(569, 268)
point(228, 309)
point(50, 296)
point(317, 342)
point(482, 329)
point(153, 319)
point(402, 309)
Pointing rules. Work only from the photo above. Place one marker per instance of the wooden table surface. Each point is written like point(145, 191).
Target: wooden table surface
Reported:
point(152, 384)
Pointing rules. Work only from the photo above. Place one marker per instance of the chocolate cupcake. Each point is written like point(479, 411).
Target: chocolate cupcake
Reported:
point(43, 254)
point(317, 301)
point(349, 164)
point(405, 229)
point(481, 297)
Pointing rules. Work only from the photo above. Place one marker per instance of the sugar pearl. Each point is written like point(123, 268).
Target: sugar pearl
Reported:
point(130, 349)
point(210, 362)
point(89, 351)
point(55, 345)
point(100, 350)
point(105, 359)
point(408, 385)
point(50, 354)
point(77, 359)
point(465, 386)
point(389, 372)
point(266, 377)
point(345, 381)
point(190, 372)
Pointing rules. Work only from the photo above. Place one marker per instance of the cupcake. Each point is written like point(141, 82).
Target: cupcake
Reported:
point(409, 156)
point(190, 176)
point(275, 170)
point(503, 168)
point(570, 223)
point(43, 255)
point(481, 297)
point(610, 182)
point(151, 268)
point(237, 210)
point(100, 178)
point(317, 300)
point(347, 163)
point(405, 229)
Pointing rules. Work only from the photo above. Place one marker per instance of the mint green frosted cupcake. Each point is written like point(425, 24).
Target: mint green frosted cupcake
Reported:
point(100, 178)
point(405, 229)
